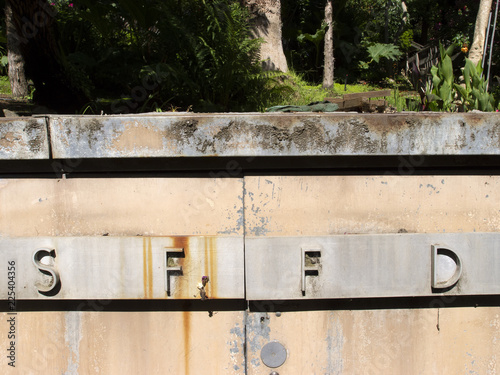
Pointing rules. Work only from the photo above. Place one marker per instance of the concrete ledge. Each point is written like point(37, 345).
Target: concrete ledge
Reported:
point(23, 139)
point(179, 135)
point(274, 134)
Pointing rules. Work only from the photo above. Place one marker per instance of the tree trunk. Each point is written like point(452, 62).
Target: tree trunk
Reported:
point(476, 50)
point(37, 42)
point(266, 24)
point(329, 59)
point(17, 77)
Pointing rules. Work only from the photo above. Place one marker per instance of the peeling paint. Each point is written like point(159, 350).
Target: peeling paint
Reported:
point(237, 346)
point(335, 342)
point(72, 337)
point(258, 334)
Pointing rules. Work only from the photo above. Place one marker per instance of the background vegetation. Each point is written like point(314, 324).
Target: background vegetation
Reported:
point(146, 55)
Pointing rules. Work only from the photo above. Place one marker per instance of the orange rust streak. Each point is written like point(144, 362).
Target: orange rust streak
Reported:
point(144, 267)
point(182, 288)
point(213, 266)
point(150, 269)
point(187, 337)
point(180, 242)
point(206, 261)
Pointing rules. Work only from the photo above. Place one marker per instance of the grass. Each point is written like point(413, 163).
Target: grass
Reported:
point(291, 89)
point(404, 101)
point(285, 89)
point(5, 86)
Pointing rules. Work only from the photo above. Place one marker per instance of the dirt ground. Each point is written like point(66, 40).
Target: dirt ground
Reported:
point(16, 107)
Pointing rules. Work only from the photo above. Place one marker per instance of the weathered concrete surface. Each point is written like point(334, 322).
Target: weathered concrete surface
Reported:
point(93, 342)
point(423, 341)
point(274, 134)
point(121, 207)
point(250, 134)
point(388, 340)
point(321, 342)
point(23, 139)
point(326, 205)
point(274, 205)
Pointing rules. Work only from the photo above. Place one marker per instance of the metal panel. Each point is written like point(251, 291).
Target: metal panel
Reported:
point(124, 267)
point(363, 266)
point(22, 139)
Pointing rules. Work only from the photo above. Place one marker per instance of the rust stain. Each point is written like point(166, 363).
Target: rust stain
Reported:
point(180, 242)
point(187, 336)
point(183, 288)
point(207, 256)
point(144, 266)
point(150, 269)
point(206, 262)
point(213, 266)
point(147, 267)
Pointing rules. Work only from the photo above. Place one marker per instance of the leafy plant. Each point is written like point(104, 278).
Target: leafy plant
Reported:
point(316, 39)
point(444, 94)
point(473, 93)
point(389, 51)
point(440, 93)
point(177, 53)
point(377, 51)
point(405, 40)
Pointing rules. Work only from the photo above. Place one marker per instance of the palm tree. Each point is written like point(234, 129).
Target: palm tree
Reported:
point(266, 24)
point(33, 40)
point(17, 76)
point(476, 50)
point(329, 59)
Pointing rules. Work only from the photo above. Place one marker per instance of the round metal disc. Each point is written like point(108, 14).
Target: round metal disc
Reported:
point(273, 354)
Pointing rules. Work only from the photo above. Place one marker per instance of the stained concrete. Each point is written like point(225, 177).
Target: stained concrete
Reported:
point(440, 336)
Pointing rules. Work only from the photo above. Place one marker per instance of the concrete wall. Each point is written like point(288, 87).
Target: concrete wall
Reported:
point(441, 334)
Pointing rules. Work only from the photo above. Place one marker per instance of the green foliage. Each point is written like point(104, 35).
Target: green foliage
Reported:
point(440, 94)
point(217, 66)
point(317, 39)
point(379, 50)
point(190, 53)
point(4, 61)
point(292, 89)
point(442, 90)
point(405, 40)
point(5, 86)
point(159, 55)
point(403, 103)
point(473, 93)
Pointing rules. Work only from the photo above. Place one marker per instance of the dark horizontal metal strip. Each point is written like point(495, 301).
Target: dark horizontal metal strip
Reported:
point(224, 167)
point(375, 303)
point(127, 305)
point(257, 306)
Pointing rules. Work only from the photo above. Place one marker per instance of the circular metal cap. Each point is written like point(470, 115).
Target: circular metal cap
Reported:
point(273, 354)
